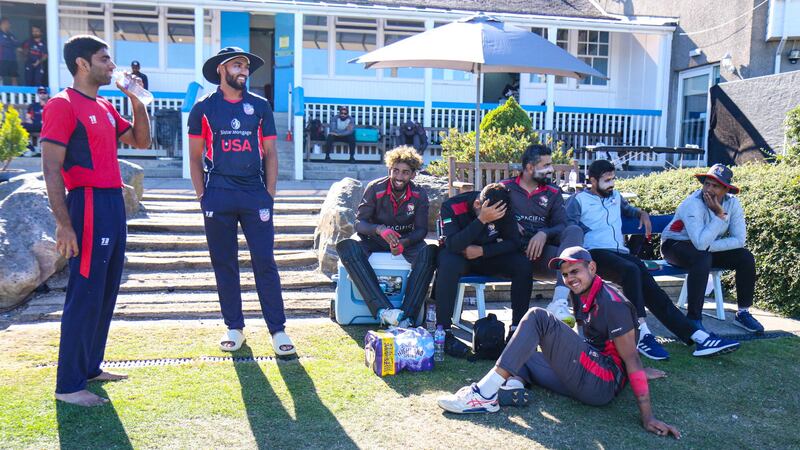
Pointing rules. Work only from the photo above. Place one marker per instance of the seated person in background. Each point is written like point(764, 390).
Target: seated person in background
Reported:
point(342, 129)
point(480, 236)
point(538, 208)
point(599, 213)
point(592, 370)
point(392, 217)
point(708, 230)
point(32, 119)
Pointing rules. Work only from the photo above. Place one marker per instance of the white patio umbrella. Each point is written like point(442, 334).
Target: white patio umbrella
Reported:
point(479, 44)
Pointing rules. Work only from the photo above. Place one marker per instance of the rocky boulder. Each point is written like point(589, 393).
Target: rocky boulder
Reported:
point(336, 220)
point(132, 175)
point(338, 215)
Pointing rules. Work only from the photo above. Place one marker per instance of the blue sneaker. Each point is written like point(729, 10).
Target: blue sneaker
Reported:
point(698, 324)
point(746, 320)
point(715, 345)
point(649, 347)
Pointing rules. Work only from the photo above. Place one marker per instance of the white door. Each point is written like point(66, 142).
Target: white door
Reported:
point(693, 106)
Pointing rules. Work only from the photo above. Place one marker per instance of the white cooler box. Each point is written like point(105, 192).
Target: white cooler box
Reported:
point(348, 307)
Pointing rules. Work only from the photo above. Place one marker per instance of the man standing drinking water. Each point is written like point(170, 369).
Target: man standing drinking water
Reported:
point(79, 152)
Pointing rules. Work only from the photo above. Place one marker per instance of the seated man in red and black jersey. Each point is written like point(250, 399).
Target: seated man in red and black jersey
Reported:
point(480, 236)
point(592, 370)
point(392, 217)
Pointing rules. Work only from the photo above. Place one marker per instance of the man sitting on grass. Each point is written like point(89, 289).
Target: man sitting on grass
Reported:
point(599, 213)
point(592, 370)
point(392, 217)
point(708, 230)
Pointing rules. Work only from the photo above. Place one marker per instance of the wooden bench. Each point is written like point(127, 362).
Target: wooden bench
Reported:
point(368, 148)
point(461, 175)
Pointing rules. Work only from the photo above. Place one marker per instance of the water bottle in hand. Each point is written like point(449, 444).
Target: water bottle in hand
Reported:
point(430, 319)
point(126, 81)
point(438, 344)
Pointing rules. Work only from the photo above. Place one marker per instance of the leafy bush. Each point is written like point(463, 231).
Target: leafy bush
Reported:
point(770, 197)
point(792, 126)
point(13, 136)
point(496, 146)
point(507, 117)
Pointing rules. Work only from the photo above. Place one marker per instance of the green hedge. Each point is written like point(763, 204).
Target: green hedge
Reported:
point(496, 146)
point(770, 197)
point(507, 116)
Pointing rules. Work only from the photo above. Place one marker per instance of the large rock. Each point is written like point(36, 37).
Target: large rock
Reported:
point(132, 175)
point(28, 254)
point(336, 219)
point(338, 215)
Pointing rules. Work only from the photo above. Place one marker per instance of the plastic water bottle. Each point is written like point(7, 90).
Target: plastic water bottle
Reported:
point(438, 344)
point(127, 82)
point(430, 319)
point(573, 180)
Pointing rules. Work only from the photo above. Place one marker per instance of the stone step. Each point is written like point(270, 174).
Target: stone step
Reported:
point(182, 305)
point(306, 278)
point(282, 197)
point(283, 207)
point(185, 242)
point(339, 170)
point(193, 223)
point(152, 261)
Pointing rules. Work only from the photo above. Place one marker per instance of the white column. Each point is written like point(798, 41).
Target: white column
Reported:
point(199, 38)
point(298, 82)
point(427, 114)
point(662, 87)
point(53, 71)
point(549, 115)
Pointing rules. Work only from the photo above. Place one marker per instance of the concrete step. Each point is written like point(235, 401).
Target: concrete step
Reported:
point(181, 305)
point(339, 170)
point(282, 207)
point(305, 278)
point(193, 223)
point(282, 197)
point(193, 260)
point(187, 242)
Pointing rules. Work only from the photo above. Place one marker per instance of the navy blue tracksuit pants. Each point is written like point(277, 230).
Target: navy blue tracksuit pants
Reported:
point(98, 217)
point(223, 211)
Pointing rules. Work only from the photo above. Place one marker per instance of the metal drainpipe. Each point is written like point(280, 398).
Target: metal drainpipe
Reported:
point(779, 54)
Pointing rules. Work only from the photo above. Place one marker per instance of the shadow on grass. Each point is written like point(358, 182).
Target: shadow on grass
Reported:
point(78, 425)
point(271, 423)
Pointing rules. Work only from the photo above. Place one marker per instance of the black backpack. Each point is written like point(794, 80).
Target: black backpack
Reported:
point(315, 130)
point(488, 338)
point(413, 134)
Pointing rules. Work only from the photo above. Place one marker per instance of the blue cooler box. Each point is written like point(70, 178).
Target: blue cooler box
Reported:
point(348, 305)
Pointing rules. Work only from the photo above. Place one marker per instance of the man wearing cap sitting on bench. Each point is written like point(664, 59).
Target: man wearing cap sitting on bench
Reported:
point(599, 213)
point(708, 230)
point(480, 236)
point(592, 370)
point(538, 208)
point(392, 217)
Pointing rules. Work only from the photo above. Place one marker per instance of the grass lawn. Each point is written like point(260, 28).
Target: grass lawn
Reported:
point(329, 399)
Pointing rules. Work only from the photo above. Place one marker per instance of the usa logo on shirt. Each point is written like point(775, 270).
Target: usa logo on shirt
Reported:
point(264, 214)
point(248, 109)
point(111, 119)
point(235, 124)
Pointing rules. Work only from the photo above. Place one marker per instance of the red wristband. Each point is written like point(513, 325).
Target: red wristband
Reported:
point(639, 383)
point(399, 248)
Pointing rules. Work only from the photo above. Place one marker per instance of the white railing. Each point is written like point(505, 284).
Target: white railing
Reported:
point(17, 99)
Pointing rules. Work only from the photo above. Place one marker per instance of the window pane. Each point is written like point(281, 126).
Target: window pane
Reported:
point(315, 20)
point(180, 45)
point(134, 40)
point(603, 49)
point(601, 64)
point(604, 37)
point(390, 38)
point(315, 52)
point(349, 45)
point(563, 35)
point(72, 26)
point(583, 36)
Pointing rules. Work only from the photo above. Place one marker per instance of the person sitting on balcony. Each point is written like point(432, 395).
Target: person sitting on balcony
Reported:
point(708, 230)
point(599, 213)
point(136, 70)
point(342, 129)
point(480, 236)
point(538, 207)
point(32, 121)
point(392, 217)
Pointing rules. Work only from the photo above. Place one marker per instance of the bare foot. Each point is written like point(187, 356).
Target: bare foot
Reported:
point(107, 376)
point(82, 398)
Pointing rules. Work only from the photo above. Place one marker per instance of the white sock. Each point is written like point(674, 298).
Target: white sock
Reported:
point(643, 329)
point(490, 384)
point(515, 383)
point(700, 336)
point(561, 292)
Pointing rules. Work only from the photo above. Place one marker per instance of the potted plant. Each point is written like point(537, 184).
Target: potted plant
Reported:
point(13, 140)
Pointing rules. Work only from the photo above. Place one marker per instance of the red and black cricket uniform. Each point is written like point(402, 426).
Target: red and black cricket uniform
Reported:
point(502, 256)
point(89, 129)
point(589, 370)
point(236, 193)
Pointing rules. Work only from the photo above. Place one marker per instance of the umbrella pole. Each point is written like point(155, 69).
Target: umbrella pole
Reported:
point(478, 178)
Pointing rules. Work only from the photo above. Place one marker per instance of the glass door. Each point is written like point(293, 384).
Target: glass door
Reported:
point(693, 105)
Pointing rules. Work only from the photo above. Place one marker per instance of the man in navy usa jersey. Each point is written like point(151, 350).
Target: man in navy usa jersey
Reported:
point(234, 169)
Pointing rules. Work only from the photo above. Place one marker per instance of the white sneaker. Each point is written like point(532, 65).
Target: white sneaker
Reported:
point(468, 399)
point(560, 309)
point(391, 317)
